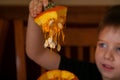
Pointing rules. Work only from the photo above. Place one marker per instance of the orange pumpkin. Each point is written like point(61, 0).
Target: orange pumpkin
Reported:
point(57, 75)
point(52, 22)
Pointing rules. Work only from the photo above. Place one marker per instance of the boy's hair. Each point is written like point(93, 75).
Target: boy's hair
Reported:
point(112, 18)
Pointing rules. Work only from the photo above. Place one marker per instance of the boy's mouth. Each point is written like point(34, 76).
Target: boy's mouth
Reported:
point(107, 67)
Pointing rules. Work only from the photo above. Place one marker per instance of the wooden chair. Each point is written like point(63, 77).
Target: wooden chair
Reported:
point(19, 31)
point(3, 33)
point(78, 37)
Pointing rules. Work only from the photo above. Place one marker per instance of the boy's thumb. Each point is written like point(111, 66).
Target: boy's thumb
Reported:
point(45, 3)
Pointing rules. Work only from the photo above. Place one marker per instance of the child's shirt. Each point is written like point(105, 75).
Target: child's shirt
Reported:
point(83, 70)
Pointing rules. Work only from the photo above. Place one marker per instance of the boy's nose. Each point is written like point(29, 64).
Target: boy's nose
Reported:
point(108, 55)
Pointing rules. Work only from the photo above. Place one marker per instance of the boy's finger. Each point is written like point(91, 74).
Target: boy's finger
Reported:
point(45, 2)
point(36, 2)
point(39, 8)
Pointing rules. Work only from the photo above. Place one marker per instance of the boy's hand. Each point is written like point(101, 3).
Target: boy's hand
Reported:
point(36, 6)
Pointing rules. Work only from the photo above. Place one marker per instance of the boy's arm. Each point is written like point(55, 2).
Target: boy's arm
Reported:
point(35, 45)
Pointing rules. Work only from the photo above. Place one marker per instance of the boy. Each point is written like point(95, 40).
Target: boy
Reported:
point(107, 53)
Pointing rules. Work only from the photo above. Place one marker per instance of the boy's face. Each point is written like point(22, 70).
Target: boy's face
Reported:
point(107, 54)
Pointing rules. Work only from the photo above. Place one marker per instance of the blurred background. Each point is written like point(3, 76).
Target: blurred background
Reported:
point(14, 64)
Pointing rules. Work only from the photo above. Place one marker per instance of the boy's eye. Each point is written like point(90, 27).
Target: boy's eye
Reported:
point(118, 49)
point(102, 45)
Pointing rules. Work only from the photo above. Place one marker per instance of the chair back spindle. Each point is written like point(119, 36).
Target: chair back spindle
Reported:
point(20, 49)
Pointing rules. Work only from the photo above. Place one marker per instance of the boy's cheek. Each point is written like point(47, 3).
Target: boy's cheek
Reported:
point(97, 54)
